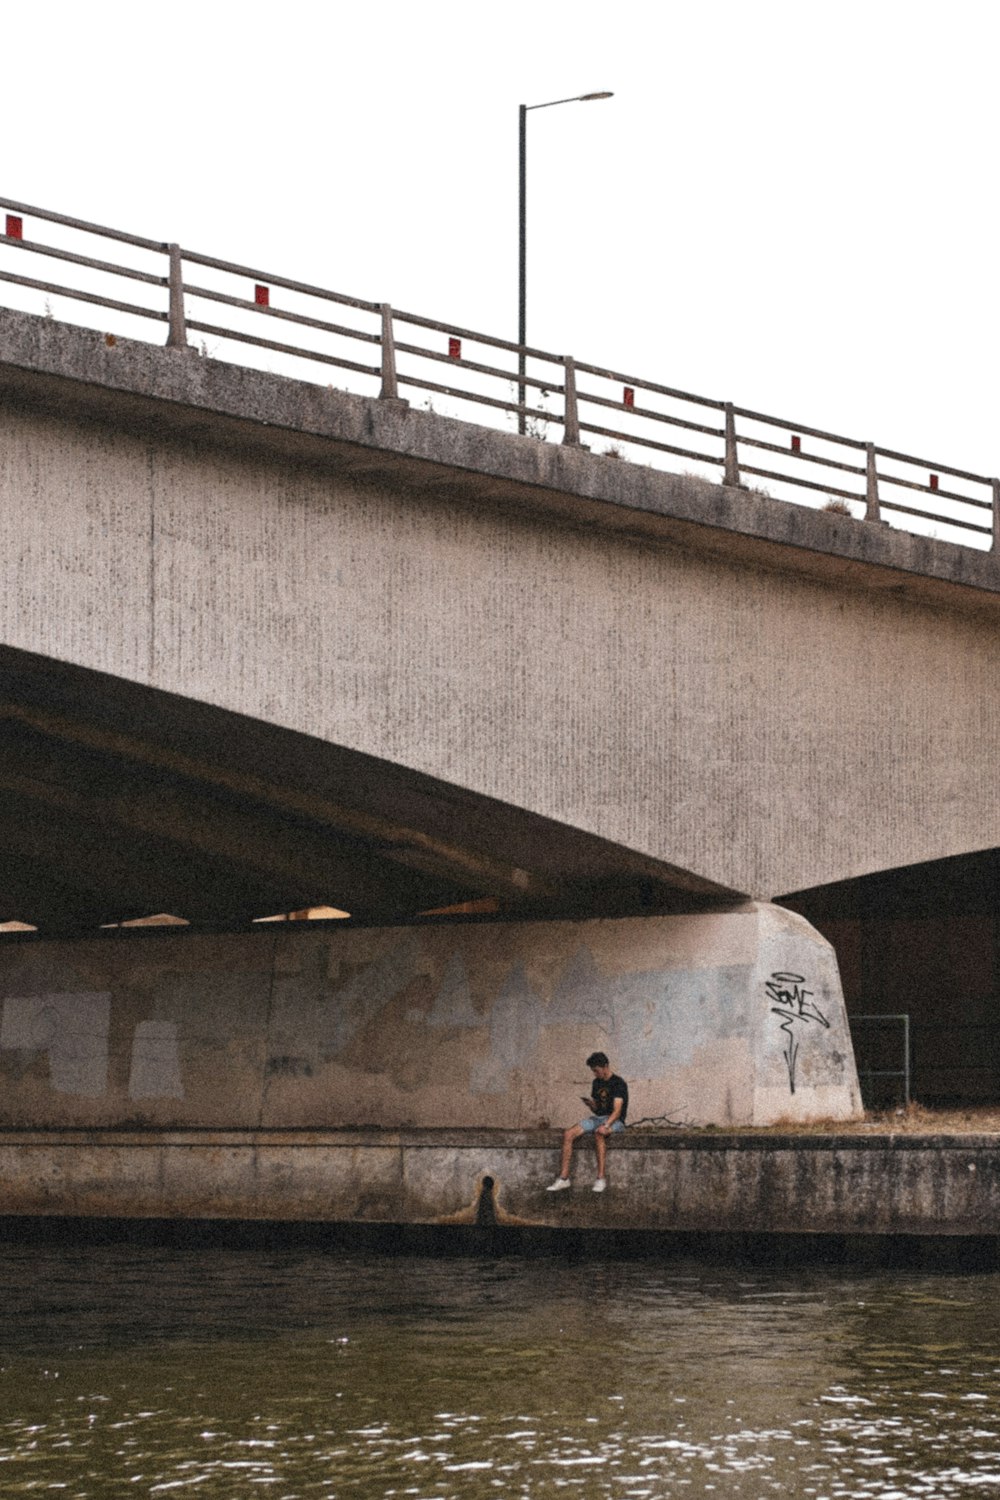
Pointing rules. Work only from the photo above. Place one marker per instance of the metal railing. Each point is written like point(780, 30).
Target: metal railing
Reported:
point(863, 1050)
point(374, 344)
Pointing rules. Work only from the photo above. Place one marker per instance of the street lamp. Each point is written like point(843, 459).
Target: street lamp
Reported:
point(523, 261)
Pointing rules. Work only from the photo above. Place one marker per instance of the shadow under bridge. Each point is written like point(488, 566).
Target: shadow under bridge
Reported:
point(919, 955)
point(120, 802)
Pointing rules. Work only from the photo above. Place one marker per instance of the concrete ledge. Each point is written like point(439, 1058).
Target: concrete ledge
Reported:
point(125, 382)
point(637, 1138)
point(726, 1184)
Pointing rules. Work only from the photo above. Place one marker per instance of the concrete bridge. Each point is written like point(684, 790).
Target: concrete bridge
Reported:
point(267, 645)
point(293, 593)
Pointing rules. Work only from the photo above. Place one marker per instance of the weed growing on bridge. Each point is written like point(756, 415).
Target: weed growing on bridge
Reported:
point(536, 423)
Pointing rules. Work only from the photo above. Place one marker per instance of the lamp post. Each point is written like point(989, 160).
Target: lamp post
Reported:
point(523, 242)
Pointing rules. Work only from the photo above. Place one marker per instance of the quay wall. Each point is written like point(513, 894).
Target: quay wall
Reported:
point(711, 1184)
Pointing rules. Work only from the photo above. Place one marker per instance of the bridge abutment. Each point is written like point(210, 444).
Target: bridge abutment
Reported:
point(178, 1074)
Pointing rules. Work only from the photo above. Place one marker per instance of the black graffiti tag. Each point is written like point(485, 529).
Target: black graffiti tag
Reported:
point(792, 1004)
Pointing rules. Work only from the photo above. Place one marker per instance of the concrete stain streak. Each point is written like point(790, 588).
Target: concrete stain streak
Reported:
point(156, 1063)
point(71, 1028)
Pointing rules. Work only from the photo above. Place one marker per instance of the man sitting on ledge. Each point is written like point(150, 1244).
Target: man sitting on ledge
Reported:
point(608, 1105)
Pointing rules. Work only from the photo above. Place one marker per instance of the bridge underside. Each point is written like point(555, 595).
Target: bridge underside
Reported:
point(118, 802)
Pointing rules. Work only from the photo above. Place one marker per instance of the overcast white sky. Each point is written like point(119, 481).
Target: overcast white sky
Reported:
point(790, 206)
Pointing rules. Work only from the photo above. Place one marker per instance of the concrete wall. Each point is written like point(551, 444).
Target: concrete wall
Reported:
point(732, 1018)
point(770, 716)
point(840, 1185)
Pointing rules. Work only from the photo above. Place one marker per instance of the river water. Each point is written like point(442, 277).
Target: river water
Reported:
point(294, 1374)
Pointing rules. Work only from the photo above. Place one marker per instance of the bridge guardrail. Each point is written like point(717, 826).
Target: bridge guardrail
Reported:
point(641, 420)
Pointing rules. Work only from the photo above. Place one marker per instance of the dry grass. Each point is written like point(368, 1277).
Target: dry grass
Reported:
point(920, 1119)
point(915, 1119)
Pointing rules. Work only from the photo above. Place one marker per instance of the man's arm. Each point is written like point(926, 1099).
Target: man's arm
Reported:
point(617, 1105)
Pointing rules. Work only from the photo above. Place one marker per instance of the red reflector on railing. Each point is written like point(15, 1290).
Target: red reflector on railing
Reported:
point(454, 348)
point(796, 443)
point(628, 396)
point(262, 296)
point(934, 481)
point(15, 227)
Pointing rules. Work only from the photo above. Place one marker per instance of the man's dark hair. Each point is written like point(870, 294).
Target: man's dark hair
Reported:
point(597, 1060)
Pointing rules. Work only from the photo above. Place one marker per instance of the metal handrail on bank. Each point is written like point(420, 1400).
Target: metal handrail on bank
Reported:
point(649, 409)
point(905, 1071)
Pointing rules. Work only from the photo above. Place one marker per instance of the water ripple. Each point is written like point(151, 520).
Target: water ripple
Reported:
point(229, 1374)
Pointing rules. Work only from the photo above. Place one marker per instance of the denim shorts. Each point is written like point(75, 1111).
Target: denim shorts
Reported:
point(590, 1124)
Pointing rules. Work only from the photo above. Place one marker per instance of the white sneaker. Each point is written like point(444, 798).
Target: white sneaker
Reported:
point(600, 1184)
point(559, 1185)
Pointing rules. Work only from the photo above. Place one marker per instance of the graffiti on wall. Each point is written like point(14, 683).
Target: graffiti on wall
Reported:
point(794, 1004)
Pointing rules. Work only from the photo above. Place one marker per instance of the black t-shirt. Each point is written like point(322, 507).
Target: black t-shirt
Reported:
point(604, 1092)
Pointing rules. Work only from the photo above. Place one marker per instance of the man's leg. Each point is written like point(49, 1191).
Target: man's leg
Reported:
point(601, 1143)
point(570, 1137)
